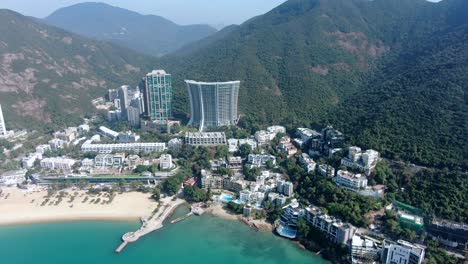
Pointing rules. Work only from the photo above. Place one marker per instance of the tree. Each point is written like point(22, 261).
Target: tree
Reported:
point(269, 164)
point(245, 150)
point(140, 169)
point(251, 174)
point(156, 195)
point(303, 228)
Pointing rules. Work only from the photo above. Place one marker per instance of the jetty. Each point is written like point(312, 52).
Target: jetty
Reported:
point(195, 209)
point(152, 223)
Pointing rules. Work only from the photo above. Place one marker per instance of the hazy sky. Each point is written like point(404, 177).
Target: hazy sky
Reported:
point(214, 12)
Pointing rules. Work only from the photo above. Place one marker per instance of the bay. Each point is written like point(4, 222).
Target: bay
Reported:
point(206, 239)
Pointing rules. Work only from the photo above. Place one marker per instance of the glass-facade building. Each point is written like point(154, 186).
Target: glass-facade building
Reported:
point(213, 104)
point(158, 96)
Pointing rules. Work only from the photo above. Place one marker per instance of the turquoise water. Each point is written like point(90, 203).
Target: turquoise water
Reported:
point(226, 198)
point(204, 239)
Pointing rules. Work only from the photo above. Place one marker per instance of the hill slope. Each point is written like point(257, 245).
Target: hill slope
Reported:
point(48, 76)
point(414, 106)
point(308, 61)
point(153, 35)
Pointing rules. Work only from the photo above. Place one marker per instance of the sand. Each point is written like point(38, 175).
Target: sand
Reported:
point(259, 224)
point(20, 207)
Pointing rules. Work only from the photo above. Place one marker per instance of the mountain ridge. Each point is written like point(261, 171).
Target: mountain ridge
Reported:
point(149, 34)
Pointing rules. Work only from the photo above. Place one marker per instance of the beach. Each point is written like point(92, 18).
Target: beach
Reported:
point(24, 207)
point(259, 224)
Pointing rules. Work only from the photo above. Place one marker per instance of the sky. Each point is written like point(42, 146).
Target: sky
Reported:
point(214, 12)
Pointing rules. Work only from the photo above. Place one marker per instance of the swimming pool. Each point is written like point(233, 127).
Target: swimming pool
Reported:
point(226, 198)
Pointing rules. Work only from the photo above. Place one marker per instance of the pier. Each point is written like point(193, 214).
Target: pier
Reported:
point(178, 219)
point(150, 224)
point(194, 210)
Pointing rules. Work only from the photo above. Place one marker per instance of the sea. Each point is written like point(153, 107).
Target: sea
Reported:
point(206, 239)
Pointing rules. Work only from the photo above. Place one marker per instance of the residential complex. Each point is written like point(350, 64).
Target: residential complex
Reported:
point(158, 96)
point(449, 233)
point(350, 181)
point(205, 138)
point(109, 160)
point(165, 162)
point(364, 161)
point(307, 163)
point(402, 252)
point(213, 104)
point(109, 133)
point(260, 160)
point(334, 229)
point(130, 147)
point(57, 163)
point(365, 249)
point(28, 161)
point(287, 224)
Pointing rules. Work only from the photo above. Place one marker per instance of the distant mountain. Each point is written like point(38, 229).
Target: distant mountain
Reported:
point(48, 76)
point(390, 73)
point(153, 35)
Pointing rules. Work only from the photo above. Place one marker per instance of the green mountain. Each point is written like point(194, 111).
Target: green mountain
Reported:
point(48, 76)
point(390, 73)
point(153, 35)
point(414, 105)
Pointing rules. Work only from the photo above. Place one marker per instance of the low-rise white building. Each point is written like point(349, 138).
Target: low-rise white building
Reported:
point(175, 143)
point(351, 181)
point(13, 177)
point(260, 160)
point(326, 170)
point(365, 249)
point(205, 138)
point(83, 129)
point(304, 135)
point(364, 161)
point(109, 160)
point(130, 147)
point(307, 163)
point(88, 163)
point(285, 187)
point(109, 133)
point(128, 137)
point(234, 144)
point(68, 135)
point(235, 163)
point(334, 229)
point(28, 162)
point(57, 163)
point(276, 129)
point(56, 144)
point(43, 149)
point(165, 162)
point(402, 252)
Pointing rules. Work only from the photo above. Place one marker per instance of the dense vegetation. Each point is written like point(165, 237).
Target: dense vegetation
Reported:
point(49, 76)
point(414, 105)
point(390, 73)
point(438, 193)
point(153, 35)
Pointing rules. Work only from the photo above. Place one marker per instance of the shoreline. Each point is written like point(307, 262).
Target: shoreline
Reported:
point(20, 207)
point(259, 225)
point(69, 220)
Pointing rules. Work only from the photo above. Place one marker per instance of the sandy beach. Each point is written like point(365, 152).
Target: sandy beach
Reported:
point(20, 206)
point(219, 211)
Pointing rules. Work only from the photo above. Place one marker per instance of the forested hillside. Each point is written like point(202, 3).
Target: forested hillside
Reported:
point(414, 106)
point(390, 73)
point(49, 76)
